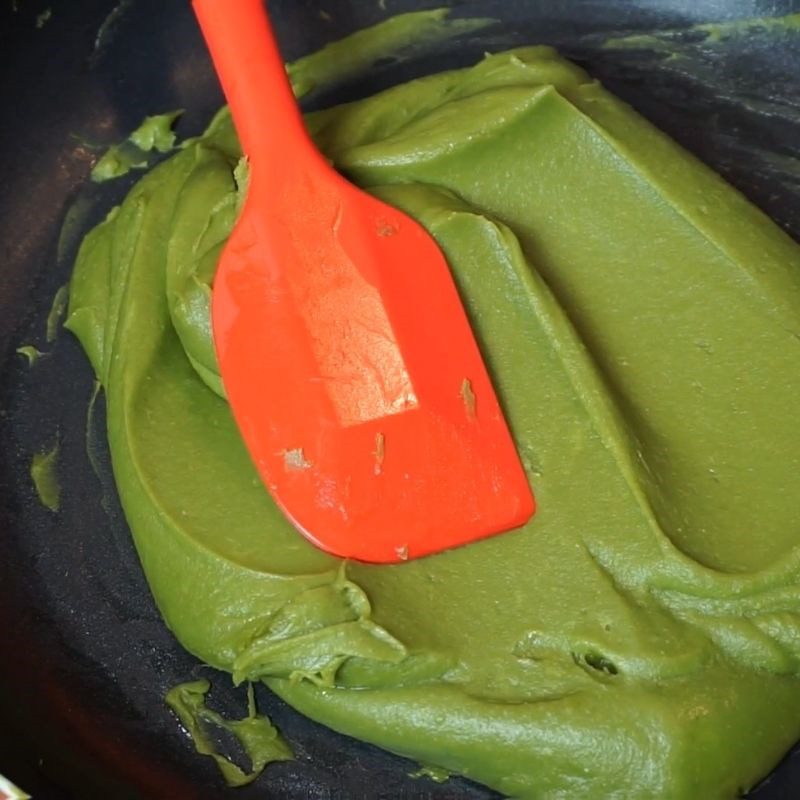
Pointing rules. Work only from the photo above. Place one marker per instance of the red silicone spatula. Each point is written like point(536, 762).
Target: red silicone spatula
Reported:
point(344, 349)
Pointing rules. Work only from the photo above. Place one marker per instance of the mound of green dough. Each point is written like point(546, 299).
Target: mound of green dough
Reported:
point(640, 637)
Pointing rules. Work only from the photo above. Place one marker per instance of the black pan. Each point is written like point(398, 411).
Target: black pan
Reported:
point(84, 658)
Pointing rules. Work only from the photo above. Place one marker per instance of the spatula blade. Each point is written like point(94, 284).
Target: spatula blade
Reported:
point(356, 380)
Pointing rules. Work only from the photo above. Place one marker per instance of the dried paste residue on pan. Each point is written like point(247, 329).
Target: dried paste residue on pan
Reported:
point(260, 740)
point(31, 353)
point(45, 477)
point(641, 636)
point(153, 135)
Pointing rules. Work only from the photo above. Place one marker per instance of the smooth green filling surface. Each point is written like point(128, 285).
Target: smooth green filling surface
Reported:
point(640, 637)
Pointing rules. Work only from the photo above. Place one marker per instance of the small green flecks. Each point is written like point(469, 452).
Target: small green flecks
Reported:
point(411, 32)
point(43, 18)
point(109, 25)
point(715, 33)
point(33, 354)
point(117, 161)
point(56, 313)
point(436, 774)
point(241, 174)
point(84, 142)
point(154, 134)
point(639, 41)
point(295, 459)
point(380, 456)
point(721, 31)
point(45, 479)
point(468, 396)
point(259, 738)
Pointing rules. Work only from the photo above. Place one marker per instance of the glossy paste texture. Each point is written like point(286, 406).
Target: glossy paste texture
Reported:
point(641, 636)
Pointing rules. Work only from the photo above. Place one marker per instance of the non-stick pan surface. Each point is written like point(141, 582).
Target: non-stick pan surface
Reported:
point(84, 658)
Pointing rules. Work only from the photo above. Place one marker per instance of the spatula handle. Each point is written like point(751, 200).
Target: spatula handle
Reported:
point(251, 70)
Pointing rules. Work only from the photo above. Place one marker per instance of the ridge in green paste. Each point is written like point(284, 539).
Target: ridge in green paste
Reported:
point(640, 637)
point(56, 314)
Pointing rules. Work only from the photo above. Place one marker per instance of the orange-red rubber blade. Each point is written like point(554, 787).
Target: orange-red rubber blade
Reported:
point(346, 354)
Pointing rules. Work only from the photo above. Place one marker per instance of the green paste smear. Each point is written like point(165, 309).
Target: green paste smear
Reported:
point(154, 135)
point(31, 353)
point(260, 740)
point(56, 314)
point(640, 637)
point(45, 477)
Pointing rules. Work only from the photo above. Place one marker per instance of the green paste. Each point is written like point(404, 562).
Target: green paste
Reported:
point(260, 740)
point(45, 477)
point(358, 53)
point(56, 314)
point(154, 135)
point(44, 17)
point(640, 637)
point(31, 353)
point(665, 40)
